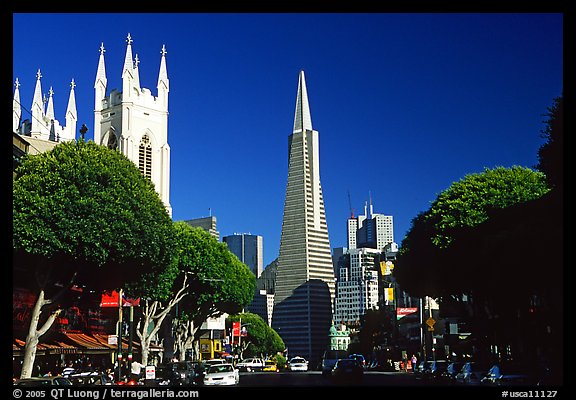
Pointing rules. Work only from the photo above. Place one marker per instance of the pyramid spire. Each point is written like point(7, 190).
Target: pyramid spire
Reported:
point(302, 117)
point(16, 108)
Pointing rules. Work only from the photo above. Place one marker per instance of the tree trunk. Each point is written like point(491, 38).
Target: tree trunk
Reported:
point(156, 312)
point(34, 334)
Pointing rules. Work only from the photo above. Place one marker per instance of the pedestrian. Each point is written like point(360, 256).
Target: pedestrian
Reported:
point(68, 370)
point(414, 362)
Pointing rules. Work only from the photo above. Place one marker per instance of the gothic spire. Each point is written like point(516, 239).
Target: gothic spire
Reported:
point(50, 108)
point(101, 73)
point(71, 109)
point(37, 101)
point(136, 72)
point(69, 132)
point(302, 118)
point(128, 63)
point(16, 108)
point(163, 74)
point(38, 127)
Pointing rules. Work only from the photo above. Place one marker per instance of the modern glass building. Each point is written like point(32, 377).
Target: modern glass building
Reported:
point(248, 248)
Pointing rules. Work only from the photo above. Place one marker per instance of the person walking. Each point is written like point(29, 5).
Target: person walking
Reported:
point(414, 362)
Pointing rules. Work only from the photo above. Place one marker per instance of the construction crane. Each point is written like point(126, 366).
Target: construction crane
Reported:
point(350, 204)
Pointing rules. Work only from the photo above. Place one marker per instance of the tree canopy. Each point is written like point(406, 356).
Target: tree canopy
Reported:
point(551, 153)
point(262, 338)
point(87, 209)
point(219, 281)
point(425, 265)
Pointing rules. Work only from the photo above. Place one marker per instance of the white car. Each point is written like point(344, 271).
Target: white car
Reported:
point(298, 364)
point(221, 375)
point(251, 364)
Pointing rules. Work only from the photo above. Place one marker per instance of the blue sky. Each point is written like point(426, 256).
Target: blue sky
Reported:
point(405, 104)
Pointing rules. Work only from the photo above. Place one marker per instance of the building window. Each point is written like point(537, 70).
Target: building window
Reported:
point(145, 157)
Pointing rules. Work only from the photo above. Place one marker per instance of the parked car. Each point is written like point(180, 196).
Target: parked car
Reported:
point(178, 373)
point(251, 364)
point(270, 366)
point(472, 373)
point(511, 375)
point(298, 364)
point(434, 370)
point(449, 375)
point(360, 358)
point(220, 375)
point(44, 381)
point(214, 361)
point(329, 360)
point(90, 379)
point(420, 369)
point(347, 370)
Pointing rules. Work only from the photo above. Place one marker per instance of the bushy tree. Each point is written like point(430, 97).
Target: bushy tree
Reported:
point(218, 281)
point(261, 340)
point(83, 213)
point(424, 265)
point(551, 153)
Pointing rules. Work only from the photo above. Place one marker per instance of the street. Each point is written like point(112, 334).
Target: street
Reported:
point(315, 379)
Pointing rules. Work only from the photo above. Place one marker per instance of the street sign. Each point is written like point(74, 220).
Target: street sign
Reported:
point(150, 372)
point(113, 339)
point(430, 322)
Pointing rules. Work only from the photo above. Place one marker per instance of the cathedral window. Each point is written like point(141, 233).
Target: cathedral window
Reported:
point(145, 157)
point(112, 141)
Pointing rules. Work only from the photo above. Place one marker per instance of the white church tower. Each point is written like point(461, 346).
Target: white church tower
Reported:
point(134, 121)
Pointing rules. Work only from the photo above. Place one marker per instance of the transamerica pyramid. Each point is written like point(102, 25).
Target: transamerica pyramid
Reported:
point(304, 292)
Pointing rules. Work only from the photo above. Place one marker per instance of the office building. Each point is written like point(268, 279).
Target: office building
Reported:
point(356, 285)
point(305, 278)
point(206, 223)
point(248, 248)
point(370, 230)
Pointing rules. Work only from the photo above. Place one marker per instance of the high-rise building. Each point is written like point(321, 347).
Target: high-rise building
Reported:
point(370, 240)
point(370, 230)
point(305, 278)
point(134, 121)
point(357, 285)
point(263, 301)
point(206, 223)
point(248, 248)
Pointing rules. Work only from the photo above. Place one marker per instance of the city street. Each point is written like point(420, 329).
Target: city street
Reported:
point(315, 379)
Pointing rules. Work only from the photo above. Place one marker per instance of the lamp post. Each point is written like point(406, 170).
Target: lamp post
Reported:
point(119, 378)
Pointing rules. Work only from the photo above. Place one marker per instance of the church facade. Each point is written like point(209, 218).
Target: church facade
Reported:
point(135, 122)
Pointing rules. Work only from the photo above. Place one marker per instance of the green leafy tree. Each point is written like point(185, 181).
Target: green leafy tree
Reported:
point(424, 265)
point(83, 213)
point(218, 281)
point(551, 153)
point(261, 340)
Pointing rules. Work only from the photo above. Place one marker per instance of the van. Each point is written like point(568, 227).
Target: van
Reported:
point(329, 359)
